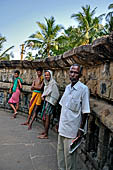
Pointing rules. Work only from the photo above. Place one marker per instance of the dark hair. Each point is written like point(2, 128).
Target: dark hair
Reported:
point(46, 71)
point(39, 69)
point(81, 68)
point(17, 71)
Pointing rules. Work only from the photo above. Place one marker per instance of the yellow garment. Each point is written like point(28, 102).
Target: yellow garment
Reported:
point(42, 78)
point(35, 100)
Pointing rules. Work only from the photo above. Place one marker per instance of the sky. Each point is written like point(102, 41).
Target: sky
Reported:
point(18, 17)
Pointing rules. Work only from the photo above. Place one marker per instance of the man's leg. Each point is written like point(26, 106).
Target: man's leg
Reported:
point(46, 126)
point(70, 159)
point(12, 106)
point(15, 112)
point(17, 106)
point(36, 110)
point(60, 153)
point(44, 122)
point(31, 107)
point(28, 119)
point(42, 133)
point(30, 114)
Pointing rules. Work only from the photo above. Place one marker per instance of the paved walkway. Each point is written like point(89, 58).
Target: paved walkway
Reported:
point(20, 149)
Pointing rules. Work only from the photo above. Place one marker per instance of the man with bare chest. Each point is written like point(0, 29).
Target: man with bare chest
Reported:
point(35, 101)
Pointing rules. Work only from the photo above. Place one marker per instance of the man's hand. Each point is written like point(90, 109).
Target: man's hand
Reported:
point(10, 91)
point(33, 88)
point(42, 98)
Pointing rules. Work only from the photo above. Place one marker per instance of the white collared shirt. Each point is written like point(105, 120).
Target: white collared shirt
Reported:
point(74, 102)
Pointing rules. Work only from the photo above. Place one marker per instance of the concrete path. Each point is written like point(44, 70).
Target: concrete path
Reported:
point(20, 149)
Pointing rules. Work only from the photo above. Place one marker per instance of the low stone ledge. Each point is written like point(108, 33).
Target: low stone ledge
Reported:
point(104, 112)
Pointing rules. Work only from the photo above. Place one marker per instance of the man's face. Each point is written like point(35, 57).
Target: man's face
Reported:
point(39, 73)
point(74, 74)
point(47, 76)
point(16, 75)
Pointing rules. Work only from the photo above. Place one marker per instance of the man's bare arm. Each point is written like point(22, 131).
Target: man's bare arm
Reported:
point(20, 85)
point(84, 118)
point(33, 85)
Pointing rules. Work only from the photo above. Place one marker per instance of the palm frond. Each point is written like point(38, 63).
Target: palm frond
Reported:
point(2, 55)
point(38, 35)
point(110, 6)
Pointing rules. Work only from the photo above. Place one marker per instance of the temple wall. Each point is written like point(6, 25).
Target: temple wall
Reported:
point(95, 153)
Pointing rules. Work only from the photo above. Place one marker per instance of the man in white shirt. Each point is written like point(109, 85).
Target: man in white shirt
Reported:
point(74, 112)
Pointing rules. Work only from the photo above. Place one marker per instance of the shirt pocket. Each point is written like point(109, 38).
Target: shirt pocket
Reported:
point(73, 105)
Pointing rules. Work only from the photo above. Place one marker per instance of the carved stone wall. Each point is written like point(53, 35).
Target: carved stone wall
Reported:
point(95, 153)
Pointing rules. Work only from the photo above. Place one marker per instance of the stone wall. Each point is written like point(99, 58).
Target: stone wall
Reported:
point(95, 153)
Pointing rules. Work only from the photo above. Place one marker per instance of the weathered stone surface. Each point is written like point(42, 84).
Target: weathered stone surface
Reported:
point(104, 112)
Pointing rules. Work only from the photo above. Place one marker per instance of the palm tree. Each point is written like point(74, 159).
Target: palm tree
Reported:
point(4, 55)
point(88, 24)
point(109, 19)
point(45, 40)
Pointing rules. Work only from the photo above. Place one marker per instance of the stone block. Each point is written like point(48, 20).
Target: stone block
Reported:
point(2, 97)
